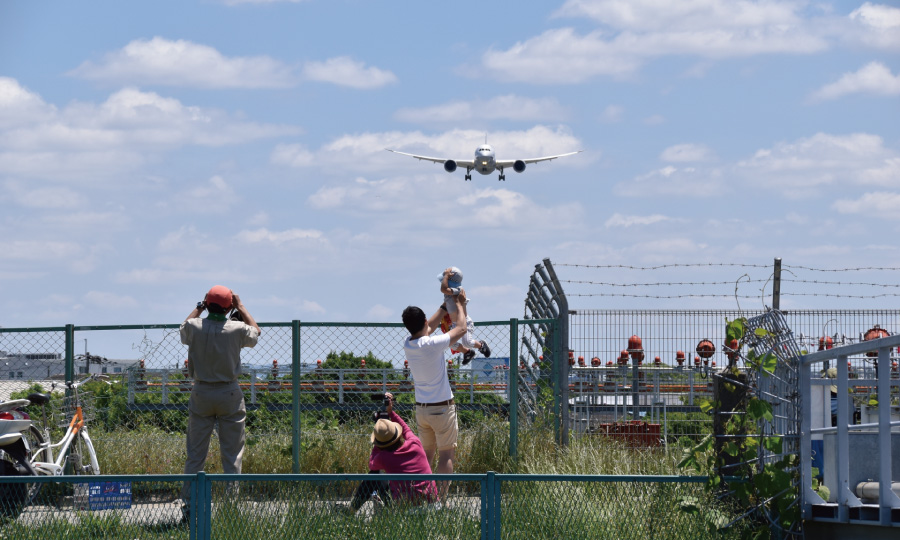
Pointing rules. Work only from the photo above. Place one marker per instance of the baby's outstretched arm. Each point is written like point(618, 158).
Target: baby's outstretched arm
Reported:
point(445, 285)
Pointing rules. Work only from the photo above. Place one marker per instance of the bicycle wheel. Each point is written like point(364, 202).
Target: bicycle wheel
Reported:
point(80, 455)
point(34, 441)
point(13, 497)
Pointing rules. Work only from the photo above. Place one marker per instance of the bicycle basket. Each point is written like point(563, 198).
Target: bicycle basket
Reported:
point(67, 410)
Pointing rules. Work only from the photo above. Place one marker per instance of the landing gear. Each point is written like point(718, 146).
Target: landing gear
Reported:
point(468, 174)
point(502, 176)
point(468, 177)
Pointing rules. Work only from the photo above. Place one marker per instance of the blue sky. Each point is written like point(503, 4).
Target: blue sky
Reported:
point(149, 150)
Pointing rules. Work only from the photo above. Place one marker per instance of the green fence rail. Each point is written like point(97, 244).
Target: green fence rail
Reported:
point(487, 506)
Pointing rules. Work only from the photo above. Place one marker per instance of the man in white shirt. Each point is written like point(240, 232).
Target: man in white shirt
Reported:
point(435, 409)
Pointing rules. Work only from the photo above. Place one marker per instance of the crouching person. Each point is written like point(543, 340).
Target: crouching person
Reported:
point(395, 450)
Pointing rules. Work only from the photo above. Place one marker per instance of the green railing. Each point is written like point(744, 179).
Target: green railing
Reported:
point(280, 506)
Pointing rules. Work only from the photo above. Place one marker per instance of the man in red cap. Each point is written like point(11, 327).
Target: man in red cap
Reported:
point(214, 362)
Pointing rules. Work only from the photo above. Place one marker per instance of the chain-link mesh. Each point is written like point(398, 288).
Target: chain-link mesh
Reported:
point(28, 357)
point(668, 391)
point(282, 507)
point(585, 507)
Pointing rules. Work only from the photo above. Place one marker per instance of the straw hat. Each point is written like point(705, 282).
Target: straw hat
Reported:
point(386, 433)
point(831, 373)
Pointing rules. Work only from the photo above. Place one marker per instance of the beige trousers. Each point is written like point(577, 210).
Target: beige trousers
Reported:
point(213, 405)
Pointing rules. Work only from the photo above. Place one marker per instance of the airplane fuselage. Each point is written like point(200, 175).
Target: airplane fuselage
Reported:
point(484, 159)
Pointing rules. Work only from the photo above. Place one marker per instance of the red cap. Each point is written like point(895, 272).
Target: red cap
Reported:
point(219, 295)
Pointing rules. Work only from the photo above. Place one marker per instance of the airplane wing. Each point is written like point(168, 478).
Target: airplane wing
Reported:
point(459, 162)
point(509, 163)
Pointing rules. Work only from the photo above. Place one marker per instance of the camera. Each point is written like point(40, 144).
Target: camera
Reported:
point(383, 411)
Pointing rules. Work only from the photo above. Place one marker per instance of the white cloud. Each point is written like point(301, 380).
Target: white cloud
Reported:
point(877, 25)
point(634, 32)
point(264, 235)
point(213, 197)
point(653, 15)
point(102, 140)
point(380, 313)
point(508, 107)
point(612, 114)
point(160, 61)
point(20, 106)
point(108, 300)
point(292, 155)
point(45, 197)
point(619, 220)
point(880, 203)
point(655, 120)
point(39, 250)
point(797, 169)
point(687, 152)
point(873, 78)
point(668, 181)
point(345, 71)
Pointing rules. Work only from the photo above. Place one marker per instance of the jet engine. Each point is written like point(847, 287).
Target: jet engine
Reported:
point(519, 165)
point(450, 165)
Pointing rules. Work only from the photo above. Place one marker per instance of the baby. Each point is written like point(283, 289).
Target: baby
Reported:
point(451, 285)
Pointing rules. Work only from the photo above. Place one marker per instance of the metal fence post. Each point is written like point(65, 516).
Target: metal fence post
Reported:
point(513, 386)
point(204, 507)
point(70, 352)
point(485, 505)
point(295, 396)
point(489, 525)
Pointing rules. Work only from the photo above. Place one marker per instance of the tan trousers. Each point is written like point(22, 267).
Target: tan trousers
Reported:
point(211, 405)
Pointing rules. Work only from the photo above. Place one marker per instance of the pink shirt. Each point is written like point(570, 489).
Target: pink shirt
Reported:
point(408, 458)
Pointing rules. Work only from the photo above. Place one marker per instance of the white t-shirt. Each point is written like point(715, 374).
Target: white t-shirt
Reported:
point(426, 363)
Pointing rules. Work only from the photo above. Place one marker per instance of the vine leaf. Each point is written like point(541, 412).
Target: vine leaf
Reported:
point(758, 409)
point(769, 363)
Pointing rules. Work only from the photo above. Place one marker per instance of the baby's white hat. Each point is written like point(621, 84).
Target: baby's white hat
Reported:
point(455, 279)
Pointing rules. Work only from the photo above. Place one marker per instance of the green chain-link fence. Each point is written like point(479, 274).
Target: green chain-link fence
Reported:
point(487, 506)
point(309, 390)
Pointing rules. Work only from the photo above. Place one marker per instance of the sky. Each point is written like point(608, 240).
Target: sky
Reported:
point(150, 150)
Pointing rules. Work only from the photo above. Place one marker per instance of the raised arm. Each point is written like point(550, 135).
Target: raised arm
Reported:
point(245, 315)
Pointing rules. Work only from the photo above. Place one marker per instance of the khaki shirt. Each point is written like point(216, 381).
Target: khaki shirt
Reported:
point(214, 348)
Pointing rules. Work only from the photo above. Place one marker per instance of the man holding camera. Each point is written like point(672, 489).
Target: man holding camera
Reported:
point(214, 363)
point(435, 409)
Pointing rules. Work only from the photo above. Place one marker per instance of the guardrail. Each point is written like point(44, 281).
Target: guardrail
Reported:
point(855, 453)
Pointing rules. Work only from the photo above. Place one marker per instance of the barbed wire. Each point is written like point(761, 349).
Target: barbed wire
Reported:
point(731, 296)
point(673, 265)
point(659, 296)
point(703, 283)
point(582, 282)
point(783, 293)
point(859, 269)
point(842, 283)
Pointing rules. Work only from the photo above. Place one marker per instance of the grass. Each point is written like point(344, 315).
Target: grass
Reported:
point(482, 448)
point(291, 510)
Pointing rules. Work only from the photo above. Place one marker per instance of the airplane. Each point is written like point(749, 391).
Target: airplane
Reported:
point(484, 162)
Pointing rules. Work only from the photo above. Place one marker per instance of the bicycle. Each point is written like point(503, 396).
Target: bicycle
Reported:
point(74, 445)
point(38, 450)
